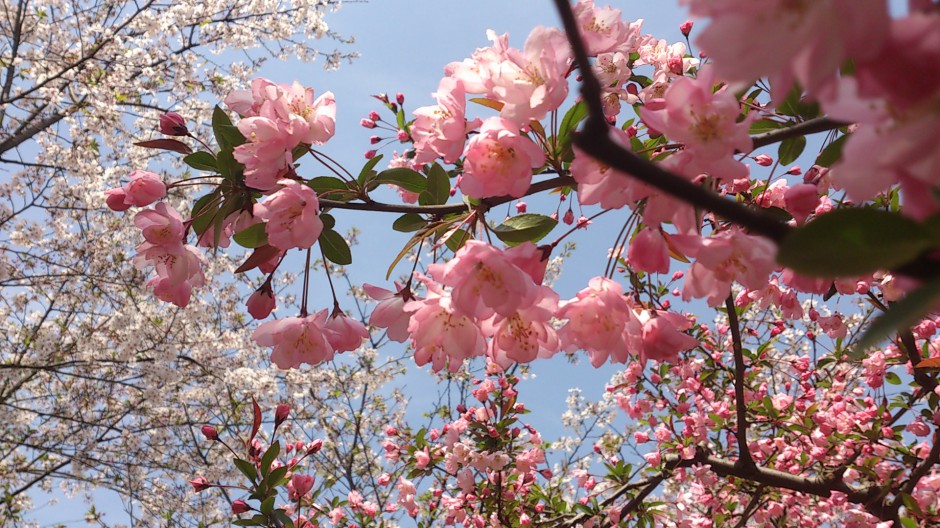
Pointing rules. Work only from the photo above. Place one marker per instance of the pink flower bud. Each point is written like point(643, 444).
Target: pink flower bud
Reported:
point(173, 124)
point(367, 123)
point(521, 207)
point(300, 485)
point(281, 413)
point(764, 160)
point(403, 136)
point(795, 171)
point(261, 303)
point(400, 97)
point(314, 447)
point(569, 217)
point(370, 154)
point(144, 188)
point(117, 199)
point(240, 506)
point(374, 139)
point(209, 432)
point(200, 484)
point(373, 115)
point(686, 28)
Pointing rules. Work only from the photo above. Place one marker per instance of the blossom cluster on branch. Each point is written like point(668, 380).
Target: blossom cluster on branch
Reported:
point(772, 412)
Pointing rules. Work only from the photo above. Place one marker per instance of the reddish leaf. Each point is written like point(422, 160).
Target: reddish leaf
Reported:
point(256, 425)
point(166, 144)
point(932, 364)
point(258, 257)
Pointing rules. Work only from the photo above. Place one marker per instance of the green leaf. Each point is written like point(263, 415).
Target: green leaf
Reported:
point(331, 188)
point(328, 221)
point(832, 153)
point(900, 316)
point(367, 173)
point(853, 241)
point(227, 165)
point(274, 479)
point(764, 125)
point(202, 161)
point(409, 222)
point(892, 378)
point(456, 239)
point(251, 238)
point(202, 217)
point(790, 149)
point(267, 505)
point(269, 457)
point(438, 186)
point(226, 135)
point(335, 247)
point(529, 227)
point(569, 123)
point(248, 469)
point(407, 179)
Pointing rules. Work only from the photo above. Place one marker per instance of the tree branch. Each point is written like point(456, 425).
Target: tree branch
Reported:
point(744, 456)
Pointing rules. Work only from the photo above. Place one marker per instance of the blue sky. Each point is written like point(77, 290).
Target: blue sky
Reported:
point(404, 47)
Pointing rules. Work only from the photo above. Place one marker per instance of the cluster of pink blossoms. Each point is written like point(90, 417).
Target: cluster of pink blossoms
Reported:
point(277, 119)
point(491, 302)
point(178, 265)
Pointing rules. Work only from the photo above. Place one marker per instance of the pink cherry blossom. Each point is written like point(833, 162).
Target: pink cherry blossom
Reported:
point(266, 154)
point(602, 29)
point(292, 216)
point(525, 335)
point(390, 312)
point(161, 226)
point(485, 281)
point(532, 82)
point(722, 259)
point(178, 267)
point(499, 161)
point(143, 189)
point(649, 252)
point(663, 336)
point(440, 335)
point(706, 122)
point(600, 184)
point(344, 333)
point(601, 322)
point(296, 340)
point(441, 130)
point(789, 40)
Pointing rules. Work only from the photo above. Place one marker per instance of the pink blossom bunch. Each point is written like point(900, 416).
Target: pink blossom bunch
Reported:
point(141, 190)
point(178, 265)
point(291, 216)
point(276, 119)
point(310, 339)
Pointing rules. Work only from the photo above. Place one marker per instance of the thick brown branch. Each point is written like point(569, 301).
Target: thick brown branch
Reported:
point(744, 457)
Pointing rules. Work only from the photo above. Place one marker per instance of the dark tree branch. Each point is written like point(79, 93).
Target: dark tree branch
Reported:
point(744, 456)
point(812, 126)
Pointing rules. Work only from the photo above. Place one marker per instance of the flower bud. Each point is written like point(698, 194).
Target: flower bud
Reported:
point(686, 28)
point(374, 116)
point(764, 160)
point(117, 199)
point(210, 432)
point(281, 413)
point(261, 303)
point(200, 484)
point(314, 447)
point(370, 154)
point(400, 97)
point(173, 124)
point(367, 123)
point(240, 506)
